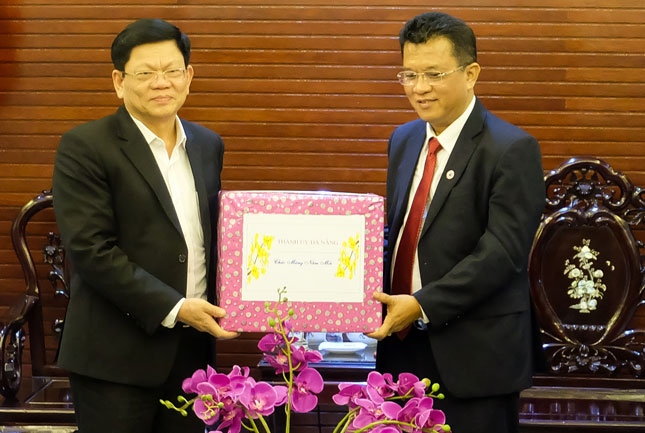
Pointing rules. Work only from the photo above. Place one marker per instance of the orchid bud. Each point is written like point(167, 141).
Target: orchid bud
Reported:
point(427, 382)
point(291, 312)
point(267, 305)
point(440, 396)
point(435, 387)
point(271, 321)
point(445, 427)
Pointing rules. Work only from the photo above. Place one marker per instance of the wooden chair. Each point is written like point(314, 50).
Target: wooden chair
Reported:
point(587, 282)
point(44, 396)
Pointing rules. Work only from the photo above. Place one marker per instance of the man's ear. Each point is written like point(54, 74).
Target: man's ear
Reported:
point(472, 73)
point(190, 72)
point(117, 80)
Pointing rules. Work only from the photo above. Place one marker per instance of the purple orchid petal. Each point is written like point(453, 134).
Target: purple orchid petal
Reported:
point(259, 398)
point(280, 362)
point(298, 359)
point(303, 402)
point(206, 411)
point(437, 417)
point(348, 393)
point(409, 411)
point(232, 419)
point(308, 381)
point(287, 327)
point(282, 394)
point(379, 383)
point(270, 342)
point(391, 409)
point(220, 381)
point(374, 395)
point(210, 371)
point(429, 417)
point(385, 429)
point(189, 385)
point(206, 388)
point(313, 356)
point(407, 382)
point(362, 419)
point(239, 371)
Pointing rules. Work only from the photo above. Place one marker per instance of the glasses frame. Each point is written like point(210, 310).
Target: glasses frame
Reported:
point(430, 77)
point(143, 77)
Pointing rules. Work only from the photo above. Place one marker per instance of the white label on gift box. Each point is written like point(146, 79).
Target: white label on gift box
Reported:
point(319, 258)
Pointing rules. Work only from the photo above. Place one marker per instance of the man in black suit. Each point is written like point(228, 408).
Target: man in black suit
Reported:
point(135, 197)
point(458, 310)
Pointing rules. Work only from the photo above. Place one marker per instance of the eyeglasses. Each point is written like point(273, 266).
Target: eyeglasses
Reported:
point(409, 78)
point(170, 74)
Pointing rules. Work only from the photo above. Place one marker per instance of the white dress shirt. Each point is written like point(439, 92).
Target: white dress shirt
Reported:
point(178, 175)
point(447, 139)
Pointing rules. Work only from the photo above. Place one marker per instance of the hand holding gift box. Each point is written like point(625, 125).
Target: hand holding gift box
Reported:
point(326, 248)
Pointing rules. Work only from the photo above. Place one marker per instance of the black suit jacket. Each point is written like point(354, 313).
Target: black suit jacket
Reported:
point(127, 251)
point(473, 251)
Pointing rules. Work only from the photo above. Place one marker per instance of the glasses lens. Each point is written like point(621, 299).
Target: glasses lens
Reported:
point(144, 76)
point(174, 74)
point(407, 77)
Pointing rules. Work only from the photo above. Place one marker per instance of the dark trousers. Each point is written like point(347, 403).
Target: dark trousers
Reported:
point(497, 414)
point(107, 407)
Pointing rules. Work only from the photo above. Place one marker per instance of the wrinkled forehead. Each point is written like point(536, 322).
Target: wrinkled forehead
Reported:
point(156, 55)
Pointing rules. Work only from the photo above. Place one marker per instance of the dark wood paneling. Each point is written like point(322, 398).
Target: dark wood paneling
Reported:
point(303, 90)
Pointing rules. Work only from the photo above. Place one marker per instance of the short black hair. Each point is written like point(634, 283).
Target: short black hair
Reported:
point(430, 25)
point(146, 31)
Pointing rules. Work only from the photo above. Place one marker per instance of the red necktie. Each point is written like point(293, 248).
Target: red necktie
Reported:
point(402, 276)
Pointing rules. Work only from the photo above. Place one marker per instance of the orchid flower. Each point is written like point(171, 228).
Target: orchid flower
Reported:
point(207, 407)
point(348, 393)
point(374, 411)
point(307, 382)
point(380, 384)
point(374, 407)
point(259, 399)
point(409, 383)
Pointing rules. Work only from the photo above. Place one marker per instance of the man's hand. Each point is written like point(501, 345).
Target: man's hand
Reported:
point(402, 310)
point(201, 314)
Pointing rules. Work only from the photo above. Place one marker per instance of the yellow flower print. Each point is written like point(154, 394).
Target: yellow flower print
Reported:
point(348, 258)
point(258, 257)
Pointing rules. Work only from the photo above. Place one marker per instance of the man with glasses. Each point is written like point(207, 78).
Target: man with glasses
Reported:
point(135, 197)
point(465, 193)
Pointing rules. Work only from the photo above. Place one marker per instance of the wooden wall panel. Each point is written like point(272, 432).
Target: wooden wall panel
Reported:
point(303, 91)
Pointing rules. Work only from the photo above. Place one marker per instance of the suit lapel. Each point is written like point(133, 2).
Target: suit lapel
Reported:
point(411, 148)
point(457, 162)
point(138, 152)
point(194, 152)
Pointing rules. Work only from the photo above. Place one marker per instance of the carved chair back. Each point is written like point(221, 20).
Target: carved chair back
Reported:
point(586, 269)
point(28, 309)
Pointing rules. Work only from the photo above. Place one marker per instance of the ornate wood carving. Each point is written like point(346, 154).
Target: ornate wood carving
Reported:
point(28, 308)
point(586, 271)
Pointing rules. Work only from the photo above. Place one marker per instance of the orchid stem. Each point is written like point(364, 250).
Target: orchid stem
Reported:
point(264, 424)
point(345, 421)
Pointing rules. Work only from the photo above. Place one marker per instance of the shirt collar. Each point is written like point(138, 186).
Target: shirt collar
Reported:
point(448, 138)
point(151, 137)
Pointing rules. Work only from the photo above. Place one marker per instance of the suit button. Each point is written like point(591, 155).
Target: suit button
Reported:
point(182, 258)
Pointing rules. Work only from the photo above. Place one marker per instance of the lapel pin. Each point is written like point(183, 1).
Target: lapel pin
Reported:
point(450, 174)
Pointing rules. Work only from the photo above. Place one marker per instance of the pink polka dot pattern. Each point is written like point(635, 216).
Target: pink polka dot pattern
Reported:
point(250, 316)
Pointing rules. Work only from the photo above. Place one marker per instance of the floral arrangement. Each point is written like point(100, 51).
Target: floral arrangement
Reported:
point(235, 400)
point(586, 281)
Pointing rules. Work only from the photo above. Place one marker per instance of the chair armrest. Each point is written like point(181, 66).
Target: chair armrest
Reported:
point(12, 339)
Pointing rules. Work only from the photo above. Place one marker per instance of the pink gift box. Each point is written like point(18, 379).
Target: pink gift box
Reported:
point(326, 248)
